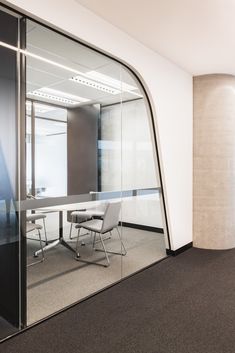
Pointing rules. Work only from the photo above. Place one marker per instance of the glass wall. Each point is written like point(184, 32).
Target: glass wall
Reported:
point(11, 316)
point(46, 138)
point(91, 205)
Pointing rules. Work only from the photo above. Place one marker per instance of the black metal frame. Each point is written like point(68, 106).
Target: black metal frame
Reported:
point(22, 188)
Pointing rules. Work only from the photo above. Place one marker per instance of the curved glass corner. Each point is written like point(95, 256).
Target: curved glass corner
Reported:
point(81, 200)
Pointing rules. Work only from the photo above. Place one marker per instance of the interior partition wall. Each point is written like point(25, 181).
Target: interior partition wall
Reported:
point(12, 294)
point(77, 138)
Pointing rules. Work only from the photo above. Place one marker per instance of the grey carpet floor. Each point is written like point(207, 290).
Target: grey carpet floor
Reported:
point(72, 280)
point(184, 304)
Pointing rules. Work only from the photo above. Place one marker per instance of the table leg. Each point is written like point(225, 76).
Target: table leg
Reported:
point(61, 224)
point(59, 241)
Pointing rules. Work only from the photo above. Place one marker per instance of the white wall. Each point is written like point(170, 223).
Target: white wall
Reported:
point(51, 155)
point(170, 89)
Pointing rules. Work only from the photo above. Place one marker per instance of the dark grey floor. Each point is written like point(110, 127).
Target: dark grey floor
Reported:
point(184, 304)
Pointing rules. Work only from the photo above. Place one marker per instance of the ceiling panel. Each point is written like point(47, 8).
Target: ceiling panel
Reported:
point(41, 78)
point(53, 46)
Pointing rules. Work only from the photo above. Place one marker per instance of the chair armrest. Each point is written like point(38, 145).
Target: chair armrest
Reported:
point(35, 216)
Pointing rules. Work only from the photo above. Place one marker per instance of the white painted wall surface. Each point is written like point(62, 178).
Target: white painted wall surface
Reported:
point(170, 89)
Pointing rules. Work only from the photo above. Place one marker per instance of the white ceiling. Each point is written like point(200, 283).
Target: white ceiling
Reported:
point(198, 35)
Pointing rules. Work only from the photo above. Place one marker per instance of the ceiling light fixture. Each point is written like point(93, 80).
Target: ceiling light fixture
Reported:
point(40, 94)
point(58, 96)
point(94, 84)
point(118, 84)
point(58, 93)
point(81, 77)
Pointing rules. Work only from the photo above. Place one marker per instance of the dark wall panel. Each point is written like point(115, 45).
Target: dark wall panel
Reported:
point(9, 228)
point(83, 149)
point(8, 26)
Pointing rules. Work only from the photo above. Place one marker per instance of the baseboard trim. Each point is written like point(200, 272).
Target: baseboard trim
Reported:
point(180, 250)
point(142, 227)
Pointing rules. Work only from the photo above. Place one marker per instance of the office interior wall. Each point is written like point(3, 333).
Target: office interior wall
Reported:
point(82, 149)
point(51, 150)
point(214, 162)
point(169, 87)
point(126, 147)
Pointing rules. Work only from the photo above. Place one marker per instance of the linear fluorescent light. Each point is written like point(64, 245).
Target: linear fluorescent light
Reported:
point(58, 96)
point(58, 93)
point(80, 75)
point(39, 57)
point(8, 46)
point(94, 84)
point(110, 81)
point(40, 94)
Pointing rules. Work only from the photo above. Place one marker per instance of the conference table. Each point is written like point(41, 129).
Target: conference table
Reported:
point(86, 209)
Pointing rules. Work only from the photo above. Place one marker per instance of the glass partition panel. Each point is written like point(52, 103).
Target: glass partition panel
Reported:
point(11, 312)
point(50, 149)
point(142, 221)
point(67, 84)
point(142, 213)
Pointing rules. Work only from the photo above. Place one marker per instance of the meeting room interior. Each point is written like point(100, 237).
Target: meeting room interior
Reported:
point(91, 208)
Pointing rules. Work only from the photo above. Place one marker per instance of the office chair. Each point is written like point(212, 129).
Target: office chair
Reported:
point(101, 226)
point(77, 217)
point(81, 216)
point(29, 228)
point(37, 216)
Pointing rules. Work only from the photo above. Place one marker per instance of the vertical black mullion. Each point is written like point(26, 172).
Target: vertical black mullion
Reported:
point(22, 176)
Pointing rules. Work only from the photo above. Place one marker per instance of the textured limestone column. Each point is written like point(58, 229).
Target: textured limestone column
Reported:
point(214, 162)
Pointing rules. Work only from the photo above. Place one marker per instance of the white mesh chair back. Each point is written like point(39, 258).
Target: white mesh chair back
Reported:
point(111, 216)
